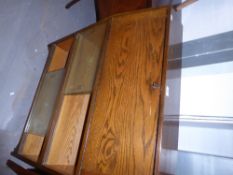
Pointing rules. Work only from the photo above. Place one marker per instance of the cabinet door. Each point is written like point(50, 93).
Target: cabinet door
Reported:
point(121, 136)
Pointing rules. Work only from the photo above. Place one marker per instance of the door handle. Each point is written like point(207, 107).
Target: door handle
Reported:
point(155, 85)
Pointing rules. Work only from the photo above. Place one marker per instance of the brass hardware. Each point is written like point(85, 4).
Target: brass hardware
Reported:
point(155, 85)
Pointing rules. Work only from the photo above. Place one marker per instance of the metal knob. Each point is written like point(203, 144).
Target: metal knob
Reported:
point(155, 85)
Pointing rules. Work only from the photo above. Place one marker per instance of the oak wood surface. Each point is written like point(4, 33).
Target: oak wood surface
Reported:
point(66, 43)
point(62, 169)
point(18, 169)
point(58, 60)
point(31, 146)
point(90, 173)
point(66, 138)
point(121, 135)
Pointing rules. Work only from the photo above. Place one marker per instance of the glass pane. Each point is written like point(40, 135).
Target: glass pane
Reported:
point(81, 73)
point(44, 103)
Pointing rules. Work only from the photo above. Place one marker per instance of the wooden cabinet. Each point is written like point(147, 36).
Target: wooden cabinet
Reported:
point(98, 106)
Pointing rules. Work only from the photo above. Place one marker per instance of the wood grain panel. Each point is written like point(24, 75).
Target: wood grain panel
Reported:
point(66, 44)
point(59, 59)
point(122, 132)
point(90, 173)
point(63, 169)
point(84, 60)
point(66, 138)
point(31, 146)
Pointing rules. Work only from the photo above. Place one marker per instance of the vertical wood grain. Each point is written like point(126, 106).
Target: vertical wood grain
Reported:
point(31, 146)
point(66, 44)
point(58, 60)
point(122, 133)
point(66, 138)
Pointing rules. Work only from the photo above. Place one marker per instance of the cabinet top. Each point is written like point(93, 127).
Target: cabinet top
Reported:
point(156, 12)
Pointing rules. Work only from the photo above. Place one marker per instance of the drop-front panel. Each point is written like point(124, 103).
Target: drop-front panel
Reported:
point(122, 132)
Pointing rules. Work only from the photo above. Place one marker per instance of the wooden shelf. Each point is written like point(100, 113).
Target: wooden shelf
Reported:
point(60, 55)
point(31, 146)
point(66, 44)
point(65, 142)
point(59, 59)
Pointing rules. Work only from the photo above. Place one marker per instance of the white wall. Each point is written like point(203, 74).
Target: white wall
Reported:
point(207, 90)
point(206, 18)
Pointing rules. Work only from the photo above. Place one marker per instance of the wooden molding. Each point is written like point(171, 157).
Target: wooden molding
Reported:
point(184, 4)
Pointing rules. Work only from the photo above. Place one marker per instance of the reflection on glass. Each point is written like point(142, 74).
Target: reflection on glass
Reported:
point(85, 60)
point(44, 103)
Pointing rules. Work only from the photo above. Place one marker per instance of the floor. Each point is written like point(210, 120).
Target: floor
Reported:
point(26, 29)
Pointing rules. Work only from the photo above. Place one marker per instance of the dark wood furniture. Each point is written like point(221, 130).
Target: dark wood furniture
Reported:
point(99, 104)
point(20, 170)
point(106, 8)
